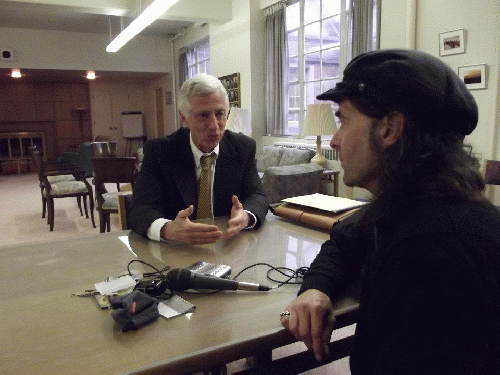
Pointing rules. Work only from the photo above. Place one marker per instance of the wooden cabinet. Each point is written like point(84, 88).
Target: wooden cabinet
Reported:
point(233, 88)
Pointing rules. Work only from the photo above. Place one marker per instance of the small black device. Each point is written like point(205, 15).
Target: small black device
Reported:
point(153, 287)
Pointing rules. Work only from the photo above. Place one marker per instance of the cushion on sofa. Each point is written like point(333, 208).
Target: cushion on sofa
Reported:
point(294, 156)
point(270, 157)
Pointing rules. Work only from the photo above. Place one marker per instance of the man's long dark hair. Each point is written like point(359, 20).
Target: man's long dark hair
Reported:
point(423, 164)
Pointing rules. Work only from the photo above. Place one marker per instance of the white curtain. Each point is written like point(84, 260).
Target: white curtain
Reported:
point(365, 26)
point(275, 69)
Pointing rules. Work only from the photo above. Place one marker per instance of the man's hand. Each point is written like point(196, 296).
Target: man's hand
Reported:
point(311, 321)
point(239, 219)
point(182, 229)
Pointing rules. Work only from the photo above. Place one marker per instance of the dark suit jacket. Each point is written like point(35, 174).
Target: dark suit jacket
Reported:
point(167, 180)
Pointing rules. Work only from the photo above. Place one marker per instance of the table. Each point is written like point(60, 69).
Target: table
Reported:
point(44, 330)
point(331, 177)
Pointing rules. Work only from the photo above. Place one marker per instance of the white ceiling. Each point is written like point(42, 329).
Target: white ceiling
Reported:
point(108, 16)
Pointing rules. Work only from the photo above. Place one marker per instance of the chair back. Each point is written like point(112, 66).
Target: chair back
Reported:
point(124, 204)
point(114, 170)
point(38, 160)
point(492, 173)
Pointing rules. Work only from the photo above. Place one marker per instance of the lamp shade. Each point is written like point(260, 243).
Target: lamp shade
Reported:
point(319, 120)
point(239, 121)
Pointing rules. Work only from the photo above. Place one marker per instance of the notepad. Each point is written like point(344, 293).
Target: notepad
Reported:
point(325, 202)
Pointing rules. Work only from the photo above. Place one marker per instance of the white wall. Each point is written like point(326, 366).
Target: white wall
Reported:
point(481, 20)
point(238, 46)
point(45, 49)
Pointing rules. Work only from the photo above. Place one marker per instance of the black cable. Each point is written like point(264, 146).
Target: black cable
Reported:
point(157, 274)
point(292, 276)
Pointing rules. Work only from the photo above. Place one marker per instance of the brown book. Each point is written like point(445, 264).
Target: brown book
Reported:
point(311, 216)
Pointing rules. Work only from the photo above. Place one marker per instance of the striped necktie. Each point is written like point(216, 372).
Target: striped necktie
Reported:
point(204, 209)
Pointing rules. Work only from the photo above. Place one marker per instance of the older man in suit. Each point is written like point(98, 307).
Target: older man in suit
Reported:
point(166, 197)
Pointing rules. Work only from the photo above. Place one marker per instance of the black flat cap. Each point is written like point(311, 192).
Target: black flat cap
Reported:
point(411, 81)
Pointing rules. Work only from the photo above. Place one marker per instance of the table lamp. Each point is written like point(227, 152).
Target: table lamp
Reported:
point(319, 121)
point(239, 121)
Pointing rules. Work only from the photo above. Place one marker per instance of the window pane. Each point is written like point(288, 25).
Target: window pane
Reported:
point(330, 63)
point(328, 84)
point(330, 8)
point(330, 32)
point(311, 37)
point(312, 89)
point(202, 52)
point(311, 11)
point(294, 96)
point(292, 16)
point(293, 43)
point(312, 66)
point(293, 70)
point(292, 124)
point(192, 70)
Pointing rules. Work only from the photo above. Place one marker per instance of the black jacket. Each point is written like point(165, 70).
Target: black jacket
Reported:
point(430, 301)
point(167, 181)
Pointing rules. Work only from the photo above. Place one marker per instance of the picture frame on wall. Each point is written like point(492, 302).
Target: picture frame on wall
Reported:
point(452, 42)
point(474, 76)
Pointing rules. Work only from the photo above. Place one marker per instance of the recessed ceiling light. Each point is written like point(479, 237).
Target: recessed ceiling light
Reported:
point(90, 74)
point(16, 73)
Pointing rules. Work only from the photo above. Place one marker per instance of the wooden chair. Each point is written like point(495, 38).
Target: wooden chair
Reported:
point(62, 181)
point(124, 204)
point(119, 170)
point(492, 173)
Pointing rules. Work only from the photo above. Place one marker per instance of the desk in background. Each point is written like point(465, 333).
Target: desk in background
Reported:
point(44, 330)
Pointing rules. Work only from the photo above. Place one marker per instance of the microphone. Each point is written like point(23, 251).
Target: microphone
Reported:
point(182, 279)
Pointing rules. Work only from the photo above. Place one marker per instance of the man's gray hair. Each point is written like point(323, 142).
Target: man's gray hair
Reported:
point(200, 84)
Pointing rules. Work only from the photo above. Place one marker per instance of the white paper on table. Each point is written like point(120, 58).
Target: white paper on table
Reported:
point(325, 202)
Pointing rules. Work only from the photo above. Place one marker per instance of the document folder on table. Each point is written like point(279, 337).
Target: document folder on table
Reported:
point(318, 210)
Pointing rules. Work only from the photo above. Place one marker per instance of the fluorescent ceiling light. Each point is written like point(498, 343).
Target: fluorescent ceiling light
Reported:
point(16, 73)
point(151, 13)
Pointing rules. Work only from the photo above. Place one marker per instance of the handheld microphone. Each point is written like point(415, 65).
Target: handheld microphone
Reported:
point(182, 279)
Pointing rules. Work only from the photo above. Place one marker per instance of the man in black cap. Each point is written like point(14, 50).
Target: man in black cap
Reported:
point(427, 248)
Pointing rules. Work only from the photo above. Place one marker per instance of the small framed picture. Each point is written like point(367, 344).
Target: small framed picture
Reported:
point(474, 76)
point(452, 42)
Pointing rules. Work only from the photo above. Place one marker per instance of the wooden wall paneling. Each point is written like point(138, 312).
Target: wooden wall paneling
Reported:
point(24, 92)
point(62, 111)
point(44, 111)
point(80, 93)
point(26, 111)
point(62, 92)
point(8, 111)
point(43, 93)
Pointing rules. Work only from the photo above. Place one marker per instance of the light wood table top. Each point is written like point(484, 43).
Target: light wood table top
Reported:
point(45, 330)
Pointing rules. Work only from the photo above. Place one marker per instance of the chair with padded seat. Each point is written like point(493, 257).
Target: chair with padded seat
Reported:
point(492, 173)
point(116, 170)
point(62, 181)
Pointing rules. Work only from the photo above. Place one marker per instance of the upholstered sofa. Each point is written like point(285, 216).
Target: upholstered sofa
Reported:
point(287, 172)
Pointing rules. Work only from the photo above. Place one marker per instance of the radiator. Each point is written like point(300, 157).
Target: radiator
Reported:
point(328, 152)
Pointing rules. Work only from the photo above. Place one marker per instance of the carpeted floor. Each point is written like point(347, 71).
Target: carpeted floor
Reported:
point(21, 213)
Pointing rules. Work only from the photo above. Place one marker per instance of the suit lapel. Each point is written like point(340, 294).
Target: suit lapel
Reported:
point(226, 168)
point(183, 168)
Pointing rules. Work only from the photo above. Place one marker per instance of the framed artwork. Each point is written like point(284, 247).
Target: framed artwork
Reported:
point(474, 76)
point(452, 42)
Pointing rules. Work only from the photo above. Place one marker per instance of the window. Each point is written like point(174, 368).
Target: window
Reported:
point(198, 59)
point(313, 29)
point(319, 38)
